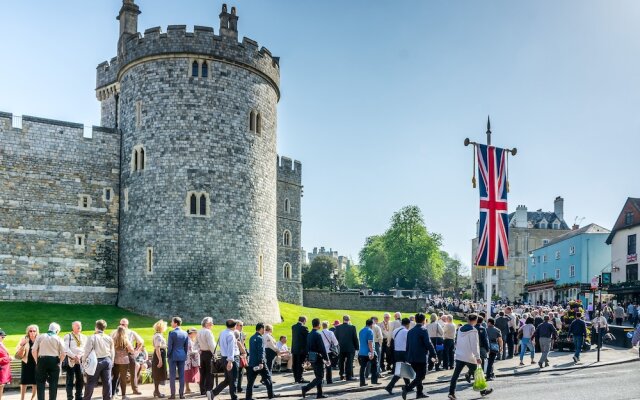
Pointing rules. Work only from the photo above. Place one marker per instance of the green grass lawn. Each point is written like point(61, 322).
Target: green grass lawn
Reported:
point(15, 317)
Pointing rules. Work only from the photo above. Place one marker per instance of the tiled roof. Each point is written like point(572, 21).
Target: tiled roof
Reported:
point(591, 228)
point(534, 217)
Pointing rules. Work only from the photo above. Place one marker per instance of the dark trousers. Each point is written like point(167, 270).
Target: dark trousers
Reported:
point(510, 345)
point(47, 370)
point(230, 378)
point(119, 377)
point(421, 371)
point(74, 378)
point(270, 355)
point(384, 356)
point(456, 374)
point(266, 379)
point(328, 375)
point(240, 375)
point(399, 356)
point(206, 377)
point(345, 364)
point(318, 371)
point(103, 372)
point(173, 366)
point(436, 341)
point(365, 362)
point(447, 354)
point(492, 359)
point(132, 374)
point(298, 359)
point(619, 321)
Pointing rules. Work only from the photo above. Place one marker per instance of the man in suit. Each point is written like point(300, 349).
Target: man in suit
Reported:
point(299, 333)
point(418, 346)
point(348, 340)
point(177, 354)
point(258, 359)
point(316, 346)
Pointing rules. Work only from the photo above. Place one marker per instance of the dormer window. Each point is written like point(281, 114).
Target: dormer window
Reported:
point(628, 218)
point(556, 225)
point(542, 224)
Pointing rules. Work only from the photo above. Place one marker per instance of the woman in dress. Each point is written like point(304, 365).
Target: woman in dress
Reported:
point(192, 365)
point(5, 364)
point(123, 349)
point(159, 362)
point(28, 366)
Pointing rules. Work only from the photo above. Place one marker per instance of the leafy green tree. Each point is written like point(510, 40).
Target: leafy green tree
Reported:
point(352, 277)
point(323, 273)
point(373, 263)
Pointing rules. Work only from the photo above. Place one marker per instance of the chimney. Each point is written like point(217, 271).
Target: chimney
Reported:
point(521, 217)
point(558, 207)
point(575, 227)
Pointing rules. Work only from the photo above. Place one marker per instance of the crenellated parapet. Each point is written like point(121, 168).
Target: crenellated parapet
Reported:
point(289, 170)
point(177, 41)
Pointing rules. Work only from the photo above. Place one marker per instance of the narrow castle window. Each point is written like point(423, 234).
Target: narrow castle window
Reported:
point(85, 201)
point(194, 69)
point(135, 160)
point(287, 208)
point(286, 238)
point(193, 207)
point(203, 204)
point(286, 271)
point(258, 123)
point(205, 69)
point(252, 121)
point(138, 114)
point(107, 194)
point(149, 259)
point(260, 266)
point(79, 241)
point(141, 158)
point(126, 199)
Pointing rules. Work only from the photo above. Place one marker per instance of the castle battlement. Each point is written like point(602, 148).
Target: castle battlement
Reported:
point(202, 42)
point(289, 170)
point(65, 129)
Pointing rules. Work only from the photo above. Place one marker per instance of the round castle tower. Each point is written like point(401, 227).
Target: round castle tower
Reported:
point(197, 115)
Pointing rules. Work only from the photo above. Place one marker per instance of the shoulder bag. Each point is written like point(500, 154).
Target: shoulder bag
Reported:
point(217, 365)
point(90, 362)
point(65, 361)
point(334, 349)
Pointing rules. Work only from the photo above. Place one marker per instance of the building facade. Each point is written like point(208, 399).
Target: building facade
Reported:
point(343, 261)
point(624, 253)
point(562, 269)
point(172, 206)
point(527, 231)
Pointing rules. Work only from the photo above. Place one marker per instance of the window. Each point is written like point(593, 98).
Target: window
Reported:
point(258, 123)
point(545, 242)
point(137, 158)
point(286, 205)
point(149, 259)
point(493, 289)
point(126, 199)
point(556, 225)
point(632, 273)
point(260, 266)
point(79, 242)
point(252, 121)
point(557, 255)
point(494, 272)
point(557, 274)
point(286, 271)
point(286, 238)
point(542, 224)
point(544, 258)
point(572, 250)
point(197, 204)
point(533, 261)
point(628, 218)
point(544, 275)
point(194, 69)
point(138, 114)
point(107, 194)
point(85, 201)
point(205, 69)
point(631, 244)
point(572, 271)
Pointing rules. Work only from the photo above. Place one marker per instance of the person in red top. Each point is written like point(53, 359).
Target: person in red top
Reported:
point(5, 361)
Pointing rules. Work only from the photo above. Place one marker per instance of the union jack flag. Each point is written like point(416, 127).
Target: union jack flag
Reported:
point(493, 243)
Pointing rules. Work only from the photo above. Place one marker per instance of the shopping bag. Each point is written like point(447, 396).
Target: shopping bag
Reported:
point(479, 383)
point(404, 370)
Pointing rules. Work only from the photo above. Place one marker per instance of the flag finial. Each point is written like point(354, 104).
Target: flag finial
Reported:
point(488, 131)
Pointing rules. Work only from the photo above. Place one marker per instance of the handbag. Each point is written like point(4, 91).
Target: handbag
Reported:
point(65, 361)
point(90, 363)
point(217, 365)
point(494, 347)
point(244, 363)
point(404, 370)
point(22, 352)
point(334, 349)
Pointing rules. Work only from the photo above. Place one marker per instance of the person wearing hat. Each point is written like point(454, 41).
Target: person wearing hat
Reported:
point(5, 360)
point(192, 365)
point(48, 351)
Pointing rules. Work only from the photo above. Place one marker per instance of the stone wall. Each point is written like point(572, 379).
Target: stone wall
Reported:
point(354, 301)
point(52, 247)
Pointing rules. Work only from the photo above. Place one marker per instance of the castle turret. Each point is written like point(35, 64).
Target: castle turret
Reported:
point(128, 18)
point(198, 116)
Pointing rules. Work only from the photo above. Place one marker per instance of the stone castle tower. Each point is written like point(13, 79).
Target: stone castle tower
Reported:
point(195, 220)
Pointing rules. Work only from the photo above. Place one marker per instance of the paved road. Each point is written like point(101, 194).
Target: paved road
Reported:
point(615, 382)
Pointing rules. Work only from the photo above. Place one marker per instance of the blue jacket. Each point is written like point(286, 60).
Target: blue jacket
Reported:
point(256, 351)
point(578, 328)
point(419, 345)
point(178, 345)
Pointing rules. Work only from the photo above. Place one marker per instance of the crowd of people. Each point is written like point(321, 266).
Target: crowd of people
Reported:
point(398, 348)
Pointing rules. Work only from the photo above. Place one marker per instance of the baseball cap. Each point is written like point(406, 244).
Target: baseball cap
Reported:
point(336, 323)
point(2, 333)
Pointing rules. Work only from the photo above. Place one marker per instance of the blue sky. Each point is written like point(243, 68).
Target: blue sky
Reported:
point(377, 97)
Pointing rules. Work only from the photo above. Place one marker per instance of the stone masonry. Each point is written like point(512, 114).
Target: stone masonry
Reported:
point(198, 201)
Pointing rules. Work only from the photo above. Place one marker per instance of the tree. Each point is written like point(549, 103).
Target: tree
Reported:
point(352, 277)
point(455, 275)
point(322, 273)
point(406, 253)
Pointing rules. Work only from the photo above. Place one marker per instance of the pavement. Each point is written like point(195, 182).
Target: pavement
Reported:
point(437, 383)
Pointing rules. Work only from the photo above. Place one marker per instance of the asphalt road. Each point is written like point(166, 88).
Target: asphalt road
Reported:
point(615, 382)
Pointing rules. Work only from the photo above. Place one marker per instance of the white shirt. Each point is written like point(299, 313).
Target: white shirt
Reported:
point(377, 334)
point(386, 330)
point(71, 347)
point(400, 339)
point(282, 347)
point(228, 344)
point(328, 338)
point(206, 340)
